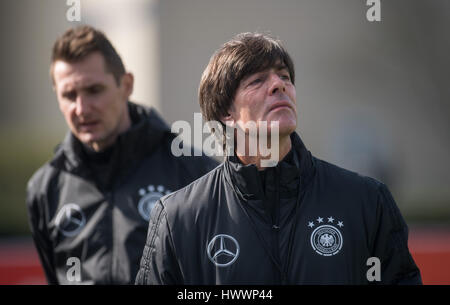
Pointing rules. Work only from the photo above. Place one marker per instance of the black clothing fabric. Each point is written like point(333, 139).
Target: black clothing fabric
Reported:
point(311, 223)
point(95, 207)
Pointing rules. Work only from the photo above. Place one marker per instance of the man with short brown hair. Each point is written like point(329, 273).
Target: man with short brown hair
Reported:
point(77, 43)
point(91, 203)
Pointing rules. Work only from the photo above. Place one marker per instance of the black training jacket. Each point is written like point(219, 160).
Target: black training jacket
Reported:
point(89, 226)
point(304, 221)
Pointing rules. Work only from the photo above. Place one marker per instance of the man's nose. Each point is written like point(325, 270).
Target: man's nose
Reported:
point(276, 84)
point(81, 105)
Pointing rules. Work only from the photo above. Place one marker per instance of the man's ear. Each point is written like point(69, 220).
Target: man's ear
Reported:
point(228, 120)
point(127, 82)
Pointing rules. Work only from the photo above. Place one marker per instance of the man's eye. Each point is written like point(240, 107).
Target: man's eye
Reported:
point(285, 77)
point(71, 96)
point(255, 81)
point(94, 89)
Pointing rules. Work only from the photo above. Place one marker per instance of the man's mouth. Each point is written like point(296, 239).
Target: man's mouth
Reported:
point(280, 105)
point(87, 125)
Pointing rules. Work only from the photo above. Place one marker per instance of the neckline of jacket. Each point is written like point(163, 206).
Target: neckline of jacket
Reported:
point(245, 180)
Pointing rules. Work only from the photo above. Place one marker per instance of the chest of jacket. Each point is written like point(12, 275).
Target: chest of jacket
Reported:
point(235, 244)
point(106, 229)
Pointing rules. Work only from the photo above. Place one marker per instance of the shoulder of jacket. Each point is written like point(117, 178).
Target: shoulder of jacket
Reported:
point(342, 175)
point(201, 163)
point(188, 196)
point(195, 163)
point(151, 114)
point(40, 180)
point(369, 193)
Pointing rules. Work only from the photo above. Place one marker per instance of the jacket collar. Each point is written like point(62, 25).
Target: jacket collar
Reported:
point(245, 179)
point(142, 138)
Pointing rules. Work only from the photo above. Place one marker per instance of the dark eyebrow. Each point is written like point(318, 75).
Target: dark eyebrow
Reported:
point(281, 66)
point(278, 66)
point(95, 85)
point(68, 93)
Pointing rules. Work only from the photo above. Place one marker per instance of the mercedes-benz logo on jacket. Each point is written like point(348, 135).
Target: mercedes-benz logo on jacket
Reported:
point(223, 250)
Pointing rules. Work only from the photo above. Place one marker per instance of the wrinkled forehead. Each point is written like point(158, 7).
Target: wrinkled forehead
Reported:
point(78, 74)
point(278, 65)
point(261, 63)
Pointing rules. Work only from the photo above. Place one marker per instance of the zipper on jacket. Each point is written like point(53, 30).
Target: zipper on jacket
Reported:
point(283, 269)
point(275, 215)
point(274, 227)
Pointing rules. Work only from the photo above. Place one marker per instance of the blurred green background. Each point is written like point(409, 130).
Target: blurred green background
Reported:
point(20, 156)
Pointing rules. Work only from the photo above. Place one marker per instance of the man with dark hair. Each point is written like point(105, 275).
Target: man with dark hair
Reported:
point(302, 221)
point(89, 206)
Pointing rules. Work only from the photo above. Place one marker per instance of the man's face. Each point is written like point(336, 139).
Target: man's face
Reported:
point(92, 103)
point(269, 96)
